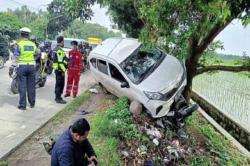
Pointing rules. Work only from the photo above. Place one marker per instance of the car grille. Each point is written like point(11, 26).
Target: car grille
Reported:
point(170, 93)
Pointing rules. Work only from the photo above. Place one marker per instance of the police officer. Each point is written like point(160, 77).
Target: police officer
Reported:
point(26, 69)
point(60, 67)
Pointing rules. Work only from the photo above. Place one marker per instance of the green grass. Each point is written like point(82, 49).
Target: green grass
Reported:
point(219, 147)
point(111, 126)
point(59, 118)
point(3, 163)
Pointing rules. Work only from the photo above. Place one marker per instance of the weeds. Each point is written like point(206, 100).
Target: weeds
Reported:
point(220, 149)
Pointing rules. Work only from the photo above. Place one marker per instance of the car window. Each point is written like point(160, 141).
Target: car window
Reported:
point(102, 66)
point(115, 73)
point(93, 62)
point(140, 64)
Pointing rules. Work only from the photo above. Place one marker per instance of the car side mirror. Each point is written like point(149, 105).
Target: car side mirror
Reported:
point(125, 85)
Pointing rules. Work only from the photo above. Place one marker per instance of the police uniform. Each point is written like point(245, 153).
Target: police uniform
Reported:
point(60, 67)
point(26, 72)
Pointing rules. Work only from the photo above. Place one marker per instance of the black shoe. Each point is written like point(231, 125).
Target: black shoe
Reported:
point(21, 108)
point(32, 105)
point(60, 101)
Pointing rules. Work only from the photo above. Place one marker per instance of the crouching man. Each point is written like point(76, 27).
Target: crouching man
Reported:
point(72, 147)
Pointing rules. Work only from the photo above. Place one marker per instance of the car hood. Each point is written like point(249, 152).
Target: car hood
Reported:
point(164, 77)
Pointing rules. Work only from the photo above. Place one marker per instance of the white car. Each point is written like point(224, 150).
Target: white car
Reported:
point(126, 68)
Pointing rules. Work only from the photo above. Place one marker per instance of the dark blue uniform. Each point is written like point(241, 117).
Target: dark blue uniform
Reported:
point(68, 153)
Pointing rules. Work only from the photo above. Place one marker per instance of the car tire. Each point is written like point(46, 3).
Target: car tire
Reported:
point(14, 86)
point(135, 108)
point(2, 61)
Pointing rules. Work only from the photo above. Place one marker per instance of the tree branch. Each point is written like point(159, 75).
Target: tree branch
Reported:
point(223, 68)
point(210, 37)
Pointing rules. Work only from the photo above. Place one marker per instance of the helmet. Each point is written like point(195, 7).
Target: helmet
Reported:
point(25, 30)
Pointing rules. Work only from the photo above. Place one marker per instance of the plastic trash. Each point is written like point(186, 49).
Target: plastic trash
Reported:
point(156, 142)
point(82, 111)
point(124, 153)
point(93, 90)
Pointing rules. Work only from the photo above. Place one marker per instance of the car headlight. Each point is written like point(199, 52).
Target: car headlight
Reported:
point(154, 95)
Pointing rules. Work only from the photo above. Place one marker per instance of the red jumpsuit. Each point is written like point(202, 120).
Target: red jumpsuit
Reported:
point(75, 65)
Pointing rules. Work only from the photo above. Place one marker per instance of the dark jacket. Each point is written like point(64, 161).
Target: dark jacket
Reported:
point(68, 153)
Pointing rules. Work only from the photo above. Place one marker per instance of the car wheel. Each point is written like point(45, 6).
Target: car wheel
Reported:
point(1, 62)
point(135, 108)
point(14, 86)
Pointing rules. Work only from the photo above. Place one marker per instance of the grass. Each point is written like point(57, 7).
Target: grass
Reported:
point(221, 151)
point(109, 127)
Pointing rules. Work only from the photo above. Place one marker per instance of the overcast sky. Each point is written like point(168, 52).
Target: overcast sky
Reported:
point(235, 37)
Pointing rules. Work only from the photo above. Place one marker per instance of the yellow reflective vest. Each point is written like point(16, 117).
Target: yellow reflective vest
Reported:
point(59, 59)
point(27, 51)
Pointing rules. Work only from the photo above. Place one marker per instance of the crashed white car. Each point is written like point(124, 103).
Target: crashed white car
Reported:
point(152, 77)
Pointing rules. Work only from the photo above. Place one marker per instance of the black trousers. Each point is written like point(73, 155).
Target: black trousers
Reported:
point(26, 75)
point(60, 82)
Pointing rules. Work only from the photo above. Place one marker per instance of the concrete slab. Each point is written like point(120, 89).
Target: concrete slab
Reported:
point(16, 125)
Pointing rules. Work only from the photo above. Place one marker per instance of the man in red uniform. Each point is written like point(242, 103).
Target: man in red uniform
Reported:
point(74, 68)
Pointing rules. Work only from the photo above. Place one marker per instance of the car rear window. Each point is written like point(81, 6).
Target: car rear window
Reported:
point(102, 66)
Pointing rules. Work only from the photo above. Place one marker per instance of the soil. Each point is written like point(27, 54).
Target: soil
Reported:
point(32, 152)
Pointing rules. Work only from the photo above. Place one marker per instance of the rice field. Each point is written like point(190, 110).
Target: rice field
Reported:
point(230, 92)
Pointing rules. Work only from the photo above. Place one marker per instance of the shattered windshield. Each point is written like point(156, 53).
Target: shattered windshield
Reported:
point(142, 63)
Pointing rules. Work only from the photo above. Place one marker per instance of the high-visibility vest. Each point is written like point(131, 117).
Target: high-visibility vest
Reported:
point(61, 62)
point(27, 51)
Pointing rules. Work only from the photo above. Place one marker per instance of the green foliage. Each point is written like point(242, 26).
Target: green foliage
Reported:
point(38, 28)
point(35, 21)
point(79, 9)
point(125, 15)
point(118, 122)
point(200, 161)
point(3, 163)
point(78, 29)
point(58, 19)
point(9, 24)
point(219, 147)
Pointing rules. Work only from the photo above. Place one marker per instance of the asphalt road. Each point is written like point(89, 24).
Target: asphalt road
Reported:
point(16, 125)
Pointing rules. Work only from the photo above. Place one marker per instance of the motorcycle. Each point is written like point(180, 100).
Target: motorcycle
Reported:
point(41, 74)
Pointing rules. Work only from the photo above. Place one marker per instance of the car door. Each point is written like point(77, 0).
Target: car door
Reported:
point(102, 72)
point(117, 79)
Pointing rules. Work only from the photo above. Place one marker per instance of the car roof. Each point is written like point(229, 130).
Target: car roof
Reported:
point(116, 48)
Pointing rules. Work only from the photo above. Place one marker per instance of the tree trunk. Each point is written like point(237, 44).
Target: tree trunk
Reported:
point(191, 63)
point(191, 70)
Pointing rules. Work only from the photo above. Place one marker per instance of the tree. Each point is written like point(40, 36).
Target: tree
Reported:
point(9, 24)
point(38, 27)
point(57, 19)
point(79, 9)
point(78, 29)
point(187, 28)
point(24, 14)
point(125, 14)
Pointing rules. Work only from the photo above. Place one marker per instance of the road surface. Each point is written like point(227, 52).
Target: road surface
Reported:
point(16, 125)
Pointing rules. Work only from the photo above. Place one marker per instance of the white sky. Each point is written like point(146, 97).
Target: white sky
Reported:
point(235, 37)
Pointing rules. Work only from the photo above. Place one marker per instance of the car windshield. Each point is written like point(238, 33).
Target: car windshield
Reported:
point(140, 64)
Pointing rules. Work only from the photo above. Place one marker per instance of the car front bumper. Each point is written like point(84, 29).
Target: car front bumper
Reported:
point(158, 108)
